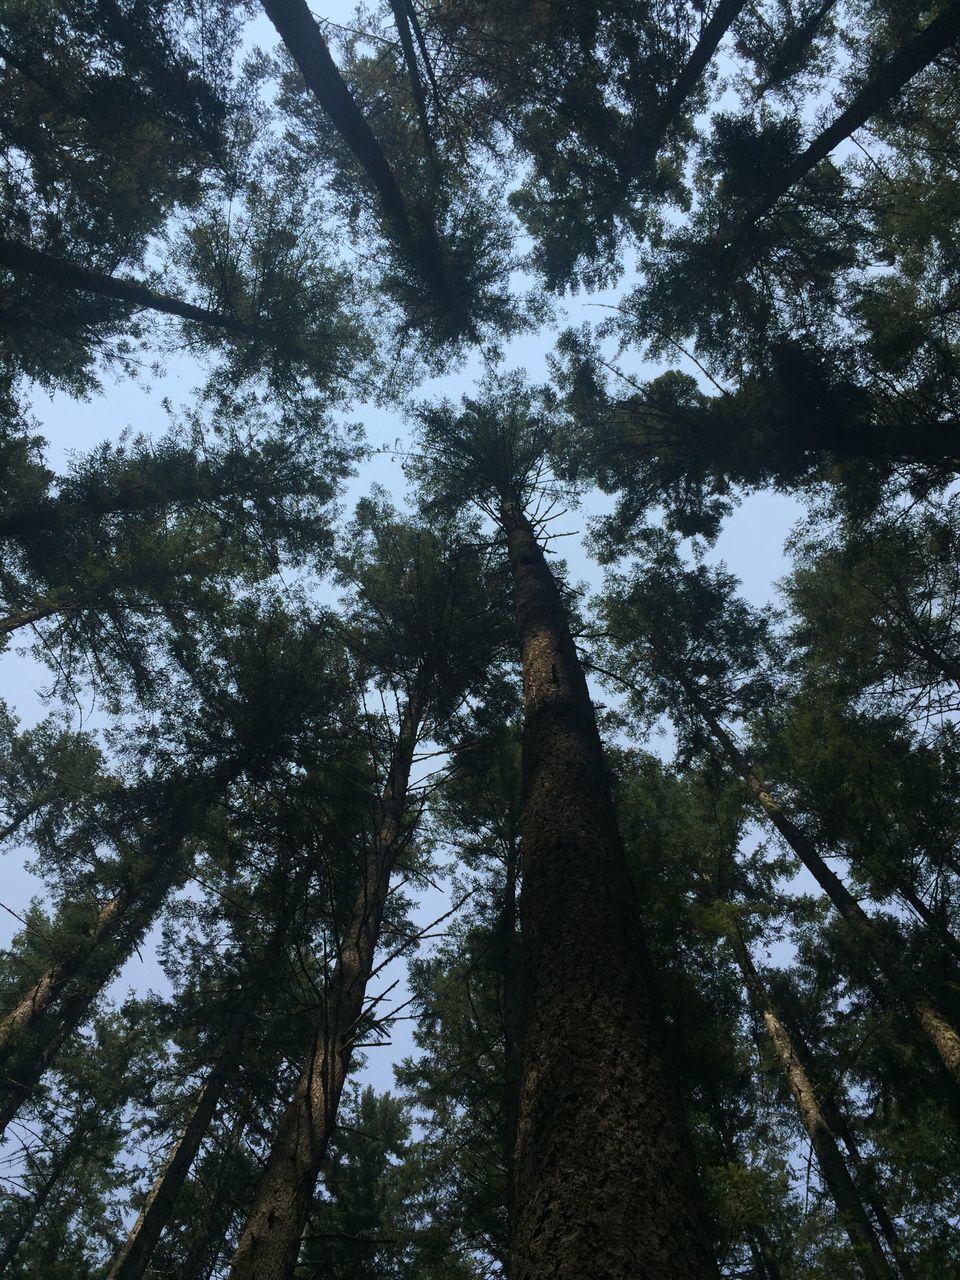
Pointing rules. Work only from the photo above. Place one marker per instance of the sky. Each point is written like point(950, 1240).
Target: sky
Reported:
point(751, 544)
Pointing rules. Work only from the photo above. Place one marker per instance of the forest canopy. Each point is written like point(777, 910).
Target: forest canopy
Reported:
point(397, 905)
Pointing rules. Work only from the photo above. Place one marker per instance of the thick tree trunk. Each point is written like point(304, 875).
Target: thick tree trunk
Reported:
point(892, 77)
point(926, 1012)
point(605, 1184)
point(270, 1241)
point(836, 1176)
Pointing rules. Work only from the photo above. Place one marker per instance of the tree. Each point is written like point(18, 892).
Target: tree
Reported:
point(589, 1160)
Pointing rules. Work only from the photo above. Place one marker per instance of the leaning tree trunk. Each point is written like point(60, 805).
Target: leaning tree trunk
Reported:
point(270, 1240)
point(926, 1012)
point(134, 1257)
point(605, 1184)
point(850, 1209)
point(33, 1031)
point(890, 79)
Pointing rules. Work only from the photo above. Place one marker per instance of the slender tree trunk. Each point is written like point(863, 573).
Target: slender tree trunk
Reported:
point(511, 1034)
point(209, 1233)
point(758, 1241)
point(926, 1012)
point(300, 34)
point(605, 1183)
point(33, 1031)
point(11, 1246)
point(891, 78)
point(15, 255)
point(913, 899)
point(270, 1241)
point(134, 1257)
point(866, 1185)
point(870, 1256)
point(653, 133)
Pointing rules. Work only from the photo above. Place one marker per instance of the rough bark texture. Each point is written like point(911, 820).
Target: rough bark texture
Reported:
point(270, 1241)
point(604, 1177)
point(926, 1012)
point(870, 1256)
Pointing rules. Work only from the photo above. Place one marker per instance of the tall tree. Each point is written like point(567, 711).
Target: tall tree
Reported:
point(604, 1177)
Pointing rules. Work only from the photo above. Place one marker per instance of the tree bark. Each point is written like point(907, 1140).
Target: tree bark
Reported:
point(866, 1185)
point(651, 134)
point(14, 621)
point(605, 1183)
point(11, 1246)
point(870, 1256)
point(33, 1031)
point(270, 1241)
point(926, 1012)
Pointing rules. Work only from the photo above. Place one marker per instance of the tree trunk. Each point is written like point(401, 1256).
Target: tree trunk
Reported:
point(892, 77)
point(605, 1183)
point(870, 1256)
point(270, 1241)
point(929, 918)
point(134, 1257)
point(300, 34)
point(866, 1185)
point(932, 1022)
point(11, 1246)
point(35, 1028)
point(14, 621)
point(511, 1034)
point(651, 134)
point(17, 256)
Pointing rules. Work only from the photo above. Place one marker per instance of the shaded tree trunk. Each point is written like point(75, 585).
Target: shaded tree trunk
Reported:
point(892, 77)
point(58, 1167)
point(14, 621)
point(270, 1241)
point(300, 34)
point(870, 1256)
point(33, 1031)
point(134, 1257)
point(17, 256)
point(926, 1012)
point(651, 134)
point(605, 1185)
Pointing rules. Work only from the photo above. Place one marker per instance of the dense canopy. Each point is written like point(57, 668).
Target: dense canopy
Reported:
point(389, 896)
